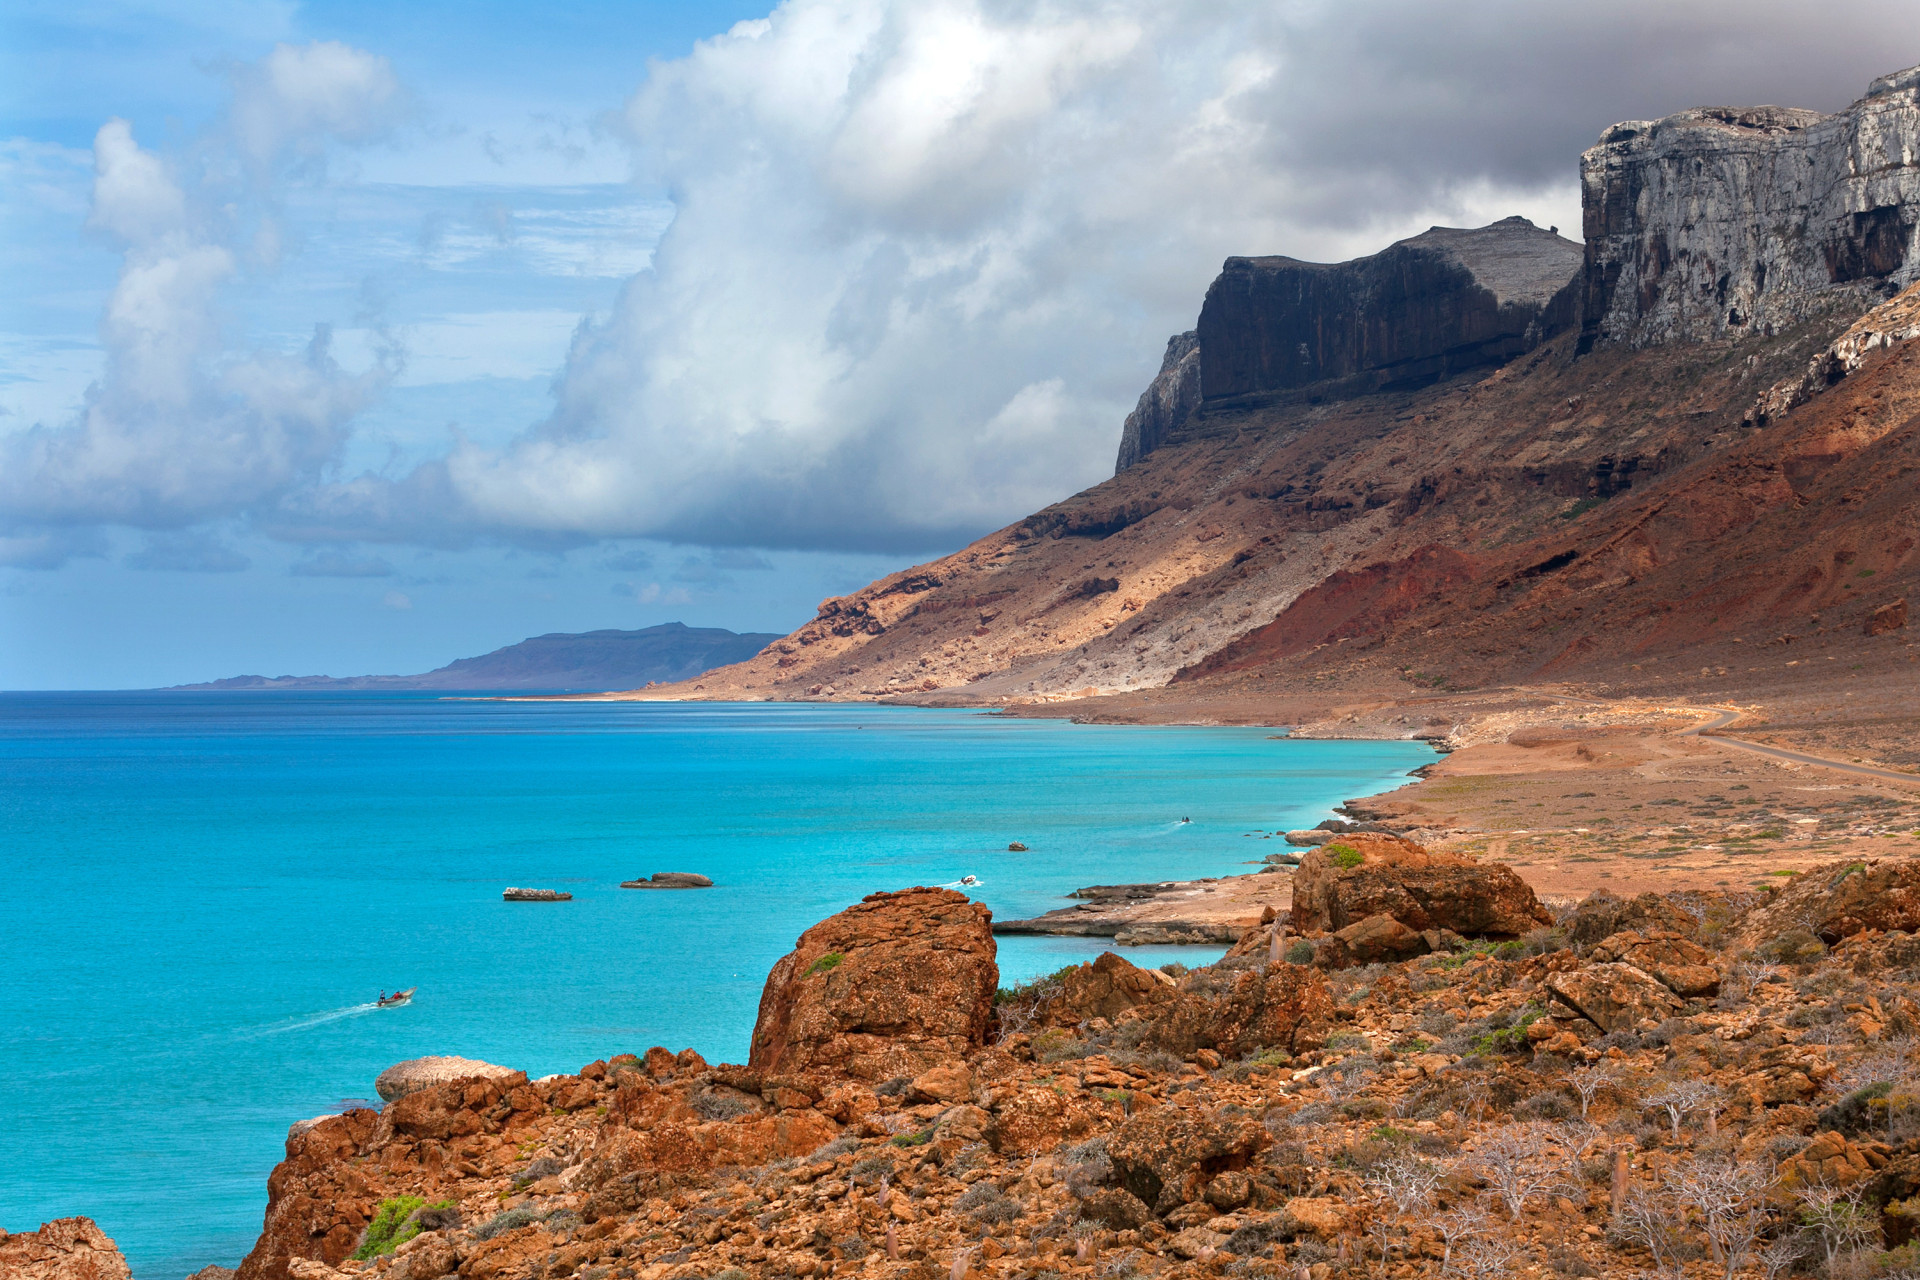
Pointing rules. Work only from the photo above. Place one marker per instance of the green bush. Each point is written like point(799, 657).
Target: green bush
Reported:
point(825, 964)
point(1300, 952)
point(392, 1226)
point(1344, 856)
point(1795, 946)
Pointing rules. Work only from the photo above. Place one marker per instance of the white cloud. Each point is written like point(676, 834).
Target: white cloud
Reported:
point(924, 253)
point(180, 428)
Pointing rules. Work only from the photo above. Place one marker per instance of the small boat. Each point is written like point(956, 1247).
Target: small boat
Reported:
point(398, 997)
point(969, 880)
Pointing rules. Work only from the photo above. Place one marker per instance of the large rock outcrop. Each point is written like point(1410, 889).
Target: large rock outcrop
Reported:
point(1368, 874)
point(64, 1249)
point(1164, 405)
point(890, 986)
point(1724, 221)
point(415, 1074)
point(1838, 900)
point(1442, 302)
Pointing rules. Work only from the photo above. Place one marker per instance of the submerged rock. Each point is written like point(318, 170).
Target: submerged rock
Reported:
point(670, 880)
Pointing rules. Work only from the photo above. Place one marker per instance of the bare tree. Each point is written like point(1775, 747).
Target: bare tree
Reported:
point(1729, 1198)
point(1456, 1225)
point(1681, 1097)
point(1837, 1220)
point(1405, 1181)
point(1743, 981)
point(1783, 1257)
point(1487, 1256)
point(1650, 1217)
point(1588, 1082)
point(1520, 1164)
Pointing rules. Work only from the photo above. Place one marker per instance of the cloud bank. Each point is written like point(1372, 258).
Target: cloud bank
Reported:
point(925, 253)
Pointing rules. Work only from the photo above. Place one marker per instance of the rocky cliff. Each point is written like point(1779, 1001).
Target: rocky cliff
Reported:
point(1654, 1079)
point(1415, 313)
point(1723, 221)
point(1292, 526)
point(1164, 405)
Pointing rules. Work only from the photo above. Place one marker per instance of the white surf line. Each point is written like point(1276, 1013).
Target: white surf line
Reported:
point(302, 1024)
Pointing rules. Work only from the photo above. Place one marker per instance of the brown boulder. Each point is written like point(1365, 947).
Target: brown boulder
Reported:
point(890, 986)
point(1840, 899)
point(1828, 1161)
point(1376, 940)
point(1167, 1156)
point(1888, 617)
point(1117, 1209)
point(1687, 968)
point(64, 1249)
point(1365, 873)
point(1106, 988)
point(1603, 913)
point(1288, 1007)
point(415, 1074)
point(1030, 1119)
point(1613, 996)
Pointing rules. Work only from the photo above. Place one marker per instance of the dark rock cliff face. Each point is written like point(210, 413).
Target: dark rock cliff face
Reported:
point(1722, 221)
point(1419, 311)
point(1173, 394)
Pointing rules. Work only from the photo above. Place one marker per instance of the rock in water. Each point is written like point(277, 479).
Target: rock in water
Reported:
point(670, 880)
point(1365, 874)
point(890, 986)
point(64, 1249)
point(536, 895)
point(403, 1078)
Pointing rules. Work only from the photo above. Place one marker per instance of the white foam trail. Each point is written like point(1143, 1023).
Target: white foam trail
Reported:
point(964, 885)
point(318, 1019)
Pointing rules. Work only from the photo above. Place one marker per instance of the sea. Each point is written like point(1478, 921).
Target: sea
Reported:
point(204, 894)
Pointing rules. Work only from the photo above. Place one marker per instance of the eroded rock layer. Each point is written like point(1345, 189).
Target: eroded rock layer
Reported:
point(1731, 220)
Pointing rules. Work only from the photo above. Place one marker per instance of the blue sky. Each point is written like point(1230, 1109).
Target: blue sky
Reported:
point(348, 338)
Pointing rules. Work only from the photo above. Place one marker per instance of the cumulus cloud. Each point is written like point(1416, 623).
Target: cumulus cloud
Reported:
point(181, 427)
point(927, 252)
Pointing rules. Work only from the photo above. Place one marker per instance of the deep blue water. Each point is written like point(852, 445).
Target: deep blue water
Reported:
point(203, 891)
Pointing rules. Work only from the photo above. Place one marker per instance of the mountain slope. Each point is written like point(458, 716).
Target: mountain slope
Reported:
point(559, 662)
point(1437, 467)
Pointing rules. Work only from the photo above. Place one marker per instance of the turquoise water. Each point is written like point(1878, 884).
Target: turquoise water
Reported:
point(204, 891)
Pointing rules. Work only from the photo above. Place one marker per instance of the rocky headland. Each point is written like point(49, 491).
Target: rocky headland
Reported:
point(1689, 1084)
point(1669, 464)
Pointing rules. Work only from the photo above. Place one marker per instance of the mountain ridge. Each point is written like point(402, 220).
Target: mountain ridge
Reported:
point(1589, 482)
point(557, 661)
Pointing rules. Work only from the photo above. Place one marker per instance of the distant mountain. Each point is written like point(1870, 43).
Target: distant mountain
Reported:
point(591, 661)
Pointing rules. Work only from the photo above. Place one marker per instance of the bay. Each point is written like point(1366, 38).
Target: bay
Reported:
point(206, 891)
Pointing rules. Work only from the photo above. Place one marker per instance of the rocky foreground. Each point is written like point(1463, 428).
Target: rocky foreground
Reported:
point(1417, 1071)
